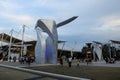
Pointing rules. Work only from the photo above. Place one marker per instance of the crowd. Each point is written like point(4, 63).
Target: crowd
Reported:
point(110, 60)
point(22, 59)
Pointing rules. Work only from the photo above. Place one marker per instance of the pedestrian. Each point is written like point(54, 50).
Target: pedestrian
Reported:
point(69, 61)
point(87, 61)
point(14, 58)
point(61, 61)
point(78, 62)
point(29, 60)
point(21, 59)
point(10, 58)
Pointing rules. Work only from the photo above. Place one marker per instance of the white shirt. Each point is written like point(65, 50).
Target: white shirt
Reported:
point(70, 59)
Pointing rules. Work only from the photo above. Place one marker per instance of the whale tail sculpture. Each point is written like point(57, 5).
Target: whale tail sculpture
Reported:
point(46, 49)
point(66, 21)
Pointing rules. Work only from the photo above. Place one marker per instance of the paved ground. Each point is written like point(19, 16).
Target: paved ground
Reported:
point(15, 72)
point(17, 64)
point(99, 63)
point(19, 73)
point(11, 74)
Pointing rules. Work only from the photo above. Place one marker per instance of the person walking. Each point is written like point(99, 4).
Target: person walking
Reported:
point(61, 61)
point(29, 60)
point(69, 61)
point(14, 59)
point(10, 58)
point(78, 62)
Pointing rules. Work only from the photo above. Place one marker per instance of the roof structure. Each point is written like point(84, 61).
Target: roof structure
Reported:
point(97, 42)
point(6, 38)
point(115, 42)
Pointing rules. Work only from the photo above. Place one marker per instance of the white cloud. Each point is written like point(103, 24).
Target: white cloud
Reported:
point(110, 23)
point(2, 29)
point(64, 9)
point(39, 2)
point(9, 6)
point(109, 28)
point(18, 19)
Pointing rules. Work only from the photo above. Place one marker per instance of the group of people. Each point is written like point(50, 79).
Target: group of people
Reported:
point(26, 59)
point(110, 60)
point(22, 59)
point(69, 61)
point(12, 59)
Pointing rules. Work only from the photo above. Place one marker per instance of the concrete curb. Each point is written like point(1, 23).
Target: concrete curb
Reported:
point(45, 73)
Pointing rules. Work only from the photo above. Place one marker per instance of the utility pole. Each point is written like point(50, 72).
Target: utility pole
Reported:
point(94, 50)
point(73, 48)
point(62, 49)
point(1, 40)
point(109, 45)
point(9, 53)
point(22, 43)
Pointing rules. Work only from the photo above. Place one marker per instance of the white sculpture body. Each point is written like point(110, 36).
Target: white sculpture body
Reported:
point(40, 47)
point(51, 56)
point(46, 49)
point(97, 49)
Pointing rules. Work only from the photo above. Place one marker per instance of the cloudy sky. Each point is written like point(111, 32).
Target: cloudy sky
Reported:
point(99, 20)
